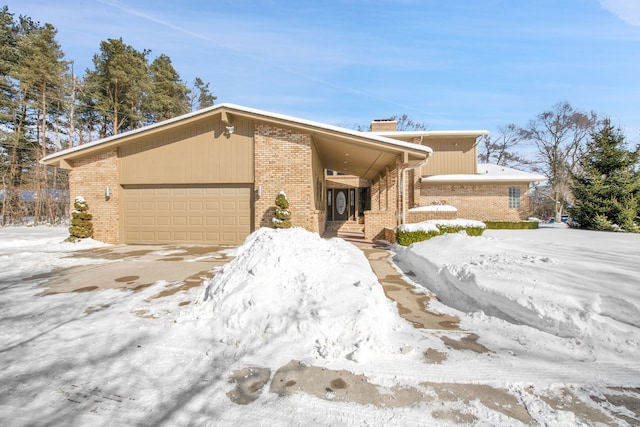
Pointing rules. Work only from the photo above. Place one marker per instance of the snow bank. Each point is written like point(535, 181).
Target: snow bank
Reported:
point(289, 294)
point(545, 286)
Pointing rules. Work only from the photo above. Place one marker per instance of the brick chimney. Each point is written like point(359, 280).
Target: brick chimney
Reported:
point(384, 125)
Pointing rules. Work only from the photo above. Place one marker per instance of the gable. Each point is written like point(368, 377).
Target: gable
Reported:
point(198, 152)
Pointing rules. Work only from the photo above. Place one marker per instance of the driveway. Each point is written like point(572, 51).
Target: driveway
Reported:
point(139, 266)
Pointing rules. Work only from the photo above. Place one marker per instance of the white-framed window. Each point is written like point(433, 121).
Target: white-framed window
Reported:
point(514, 197)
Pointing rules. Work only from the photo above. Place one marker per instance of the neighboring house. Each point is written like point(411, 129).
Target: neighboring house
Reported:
point(212, 176)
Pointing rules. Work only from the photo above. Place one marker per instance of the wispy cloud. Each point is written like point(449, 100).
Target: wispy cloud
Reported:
point(626, 10)
point(307, 57)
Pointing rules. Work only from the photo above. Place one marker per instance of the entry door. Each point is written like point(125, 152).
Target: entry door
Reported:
point(340, 205)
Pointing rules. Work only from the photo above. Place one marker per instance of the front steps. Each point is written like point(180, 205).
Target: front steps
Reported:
point(345, 229)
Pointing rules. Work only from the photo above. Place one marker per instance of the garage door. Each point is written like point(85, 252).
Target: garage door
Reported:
point(177, 214)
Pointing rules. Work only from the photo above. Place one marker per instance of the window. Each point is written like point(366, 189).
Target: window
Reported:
point(514, 197)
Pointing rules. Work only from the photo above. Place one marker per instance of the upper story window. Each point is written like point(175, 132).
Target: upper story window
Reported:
point(514, 197)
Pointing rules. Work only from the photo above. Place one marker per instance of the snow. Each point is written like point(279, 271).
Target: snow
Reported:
point(558, 308)
point(588, 293)
point(270, 297)
point(487, 172)
point(434, 208)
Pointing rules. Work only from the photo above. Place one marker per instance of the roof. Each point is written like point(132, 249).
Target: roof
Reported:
point(487, 173)
point(431, 133)
point(335, 142)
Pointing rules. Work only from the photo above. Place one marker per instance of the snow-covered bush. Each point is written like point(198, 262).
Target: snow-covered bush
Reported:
point(282, 215)
point(81, 225)
point(407, 234)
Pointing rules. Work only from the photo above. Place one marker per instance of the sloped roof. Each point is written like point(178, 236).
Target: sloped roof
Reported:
point(403, 134)
point(487, 173)
point(334, 142)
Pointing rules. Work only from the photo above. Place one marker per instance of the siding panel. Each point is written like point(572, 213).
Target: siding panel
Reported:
point(198, 154)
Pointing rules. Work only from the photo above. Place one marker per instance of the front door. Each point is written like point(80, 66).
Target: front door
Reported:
point(340, 205)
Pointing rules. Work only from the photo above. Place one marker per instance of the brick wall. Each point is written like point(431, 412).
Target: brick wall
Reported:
point(415, 217)
point(479, 202)
point(88, 179)
point(375, 223)
point(384, 204)
point(283, 160)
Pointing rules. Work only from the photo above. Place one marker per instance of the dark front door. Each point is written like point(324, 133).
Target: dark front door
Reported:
point(340, 205)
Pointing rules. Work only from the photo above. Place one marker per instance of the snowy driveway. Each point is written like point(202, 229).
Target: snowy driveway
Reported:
point(296, 330)
point(136, 267)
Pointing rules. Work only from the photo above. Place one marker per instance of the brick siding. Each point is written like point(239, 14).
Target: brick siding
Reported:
point(283, 160)
point(384, 204)
point(89, 178)
point(479, 202)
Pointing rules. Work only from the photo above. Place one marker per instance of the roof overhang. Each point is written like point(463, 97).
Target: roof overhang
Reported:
point(487, 174)
point(356, 153)
point(427, 134)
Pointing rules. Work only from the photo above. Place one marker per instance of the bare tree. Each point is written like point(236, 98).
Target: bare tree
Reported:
point(559, 136)
point(500, 150)
point(406, 123)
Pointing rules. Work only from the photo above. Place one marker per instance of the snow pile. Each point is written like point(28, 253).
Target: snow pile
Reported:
point(596, 303)
point(291, 294)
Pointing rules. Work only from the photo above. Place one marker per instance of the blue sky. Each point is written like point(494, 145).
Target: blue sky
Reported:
point(451, 64)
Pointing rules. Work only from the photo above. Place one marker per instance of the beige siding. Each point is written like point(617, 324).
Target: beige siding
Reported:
point(451, 156)
point(169, 214)
point(200, 153)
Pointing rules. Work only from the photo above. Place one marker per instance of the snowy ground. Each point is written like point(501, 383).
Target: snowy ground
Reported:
point(558, 310)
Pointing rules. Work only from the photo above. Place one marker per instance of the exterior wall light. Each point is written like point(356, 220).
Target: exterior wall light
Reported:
point(107, 193)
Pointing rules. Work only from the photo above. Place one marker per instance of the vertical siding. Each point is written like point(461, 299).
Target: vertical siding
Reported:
point(194, 153)
point(451, 156)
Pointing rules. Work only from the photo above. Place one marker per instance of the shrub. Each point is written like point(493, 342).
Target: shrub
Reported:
point(407, 237)
point(81, 225)
point(282, 215)
point(511, 225)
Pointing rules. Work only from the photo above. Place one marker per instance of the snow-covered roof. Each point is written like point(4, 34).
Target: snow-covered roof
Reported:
point(431, 133)
point(487, 172)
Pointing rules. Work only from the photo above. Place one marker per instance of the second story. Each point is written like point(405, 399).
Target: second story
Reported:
point(454, 152)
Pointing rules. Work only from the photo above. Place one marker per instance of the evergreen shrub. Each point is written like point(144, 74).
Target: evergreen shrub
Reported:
point(511, 225)
point(282, 215)
point(81, 225)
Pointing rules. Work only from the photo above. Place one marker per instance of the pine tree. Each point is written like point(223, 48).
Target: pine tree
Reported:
point(169, 96)
point(282, 215)
point(81, 225)
point(607, 188)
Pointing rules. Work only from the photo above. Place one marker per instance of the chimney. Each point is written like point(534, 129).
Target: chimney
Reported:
point(384, 125)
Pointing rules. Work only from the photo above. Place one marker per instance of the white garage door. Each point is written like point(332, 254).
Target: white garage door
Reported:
point(176, 214)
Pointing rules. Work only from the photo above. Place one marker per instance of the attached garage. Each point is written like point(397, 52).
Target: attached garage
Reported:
point(212, 176)
point(177, 214)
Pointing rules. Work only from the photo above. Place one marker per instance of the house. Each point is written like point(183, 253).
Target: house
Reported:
point(212, 176)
